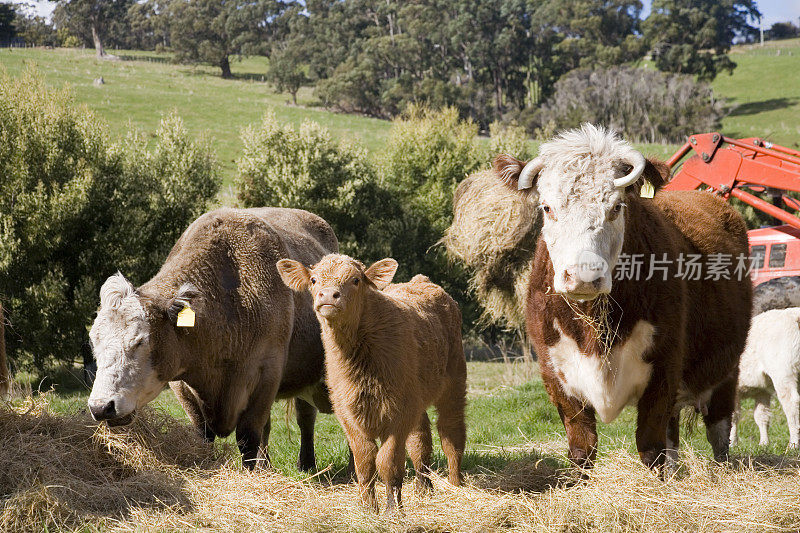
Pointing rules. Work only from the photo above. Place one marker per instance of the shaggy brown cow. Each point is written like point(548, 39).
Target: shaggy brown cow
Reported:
point(391, 350)
point(253, 339)
point(665, 339)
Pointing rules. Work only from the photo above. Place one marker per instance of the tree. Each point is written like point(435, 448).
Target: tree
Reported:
point(211, 31)
point(148, 25)
point(7, 28)
point(594, 32)
point(287, 70)
point(76, 206)
point(92, 20)
point(694, 36)
point(782, 30)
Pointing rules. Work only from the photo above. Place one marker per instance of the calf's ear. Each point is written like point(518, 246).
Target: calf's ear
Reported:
point(187, 296)
point(656, 172)
point(382, 272)
point(294, 274)
point(517, 174)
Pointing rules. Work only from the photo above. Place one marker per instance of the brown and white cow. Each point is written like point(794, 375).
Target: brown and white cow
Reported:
point(665, 342)
point(253, 341)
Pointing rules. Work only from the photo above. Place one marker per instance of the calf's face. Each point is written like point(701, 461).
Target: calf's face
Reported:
point(580, 179)
point(338, 283)
point(123, 339)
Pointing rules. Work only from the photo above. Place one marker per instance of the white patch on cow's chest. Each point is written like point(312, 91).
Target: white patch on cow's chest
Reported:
point(607, 384)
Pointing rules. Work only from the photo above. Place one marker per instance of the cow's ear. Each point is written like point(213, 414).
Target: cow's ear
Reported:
point(656, 173)
point(115, 289)
point(187, 296)
point(294, 274)
point(516, 174)
point(382, 272)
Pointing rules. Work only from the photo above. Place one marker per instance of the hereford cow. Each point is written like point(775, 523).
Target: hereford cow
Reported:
point(252, 339)
point(659, 340)
point(391, 350)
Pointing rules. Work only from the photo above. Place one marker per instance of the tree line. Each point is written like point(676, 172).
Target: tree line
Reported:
point(490, 59)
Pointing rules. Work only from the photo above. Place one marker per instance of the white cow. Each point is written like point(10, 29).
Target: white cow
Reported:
point(770, 365)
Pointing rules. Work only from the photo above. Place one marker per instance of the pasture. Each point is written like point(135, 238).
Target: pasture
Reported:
point(62, 472)
point(158, 476)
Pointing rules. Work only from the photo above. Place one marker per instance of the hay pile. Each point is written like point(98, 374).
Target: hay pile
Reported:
point(65, 473)
point(494, 234)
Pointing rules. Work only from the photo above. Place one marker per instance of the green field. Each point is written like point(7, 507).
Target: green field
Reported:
point(140, 89)
point(509, 416)
point(765, 90)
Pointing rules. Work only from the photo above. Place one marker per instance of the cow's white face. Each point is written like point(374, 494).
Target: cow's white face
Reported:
point(580, 179)
point(583, 226)
point(121, 341)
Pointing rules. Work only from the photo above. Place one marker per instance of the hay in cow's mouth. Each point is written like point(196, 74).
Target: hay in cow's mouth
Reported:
point(598, 319)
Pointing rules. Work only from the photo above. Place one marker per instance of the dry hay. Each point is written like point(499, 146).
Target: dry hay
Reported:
point(494, 233)
point(66, 473)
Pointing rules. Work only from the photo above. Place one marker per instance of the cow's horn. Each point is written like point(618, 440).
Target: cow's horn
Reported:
point(528, 173)
point(637, 161)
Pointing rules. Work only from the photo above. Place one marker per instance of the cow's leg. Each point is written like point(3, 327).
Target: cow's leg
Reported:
point(191, 405)
point(391, 463)
point(735, 421)
point(762, 415)
point(718, 419)
point(364, 451)
point(673, 442)
point(306, 416)
point(253, 426)
point(581, 427)
point(452, 428)
point(786, 388)
point(655, 413)
point(420, 449)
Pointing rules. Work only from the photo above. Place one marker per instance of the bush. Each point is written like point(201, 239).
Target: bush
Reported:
point(645, 105)
point(306, 169)
point(75, 207)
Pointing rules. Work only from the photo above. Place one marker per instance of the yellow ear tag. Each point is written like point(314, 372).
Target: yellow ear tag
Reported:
point(186, 318)
point(648, 191)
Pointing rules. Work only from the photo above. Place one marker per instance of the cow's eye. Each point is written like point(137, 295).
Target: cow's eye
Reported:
point(355, 281)
point(313, 280)
point(547, 210)
point(618, 208)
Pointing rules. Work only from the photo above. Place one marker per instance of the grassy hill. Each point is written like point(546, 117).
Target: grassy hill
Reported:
point(765, 90)
point(139, 90)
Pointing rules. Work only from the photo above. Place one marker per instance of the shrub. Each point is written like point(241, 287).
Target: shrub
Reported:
point(75, 207)
point(645, 105)
point(399, 207)
point(306, 169)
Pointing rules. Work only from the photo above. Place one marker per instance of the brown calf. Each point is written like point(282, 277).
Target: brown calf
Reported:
point(391, 350)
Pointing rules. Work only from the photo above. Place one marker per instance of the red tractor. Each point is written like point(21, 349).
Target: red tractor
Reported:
point(731, 168)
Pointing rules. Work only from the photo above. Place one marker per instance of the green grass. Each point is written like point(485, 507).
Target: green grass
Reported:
point(509, 417)
point(137, 93)
point(765, 87)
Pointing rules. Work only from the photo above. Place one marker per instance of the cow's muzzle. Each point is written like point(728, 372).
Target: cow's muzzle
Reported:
point(106, 410)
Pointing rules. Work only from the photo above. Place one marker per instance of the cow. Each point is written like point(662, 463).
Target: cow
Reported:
point(777, 293)
point(660, 340)
point(391, 350)
point(770, 365)
point(253, 340)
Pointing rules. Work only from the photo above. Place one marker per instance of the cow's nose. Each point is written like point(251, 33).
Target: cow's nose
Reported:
point(103, 410)
point(329, 297)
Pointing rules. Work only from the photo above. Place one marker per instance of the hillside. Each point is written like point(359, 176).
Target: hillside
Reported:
point(765, 90)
